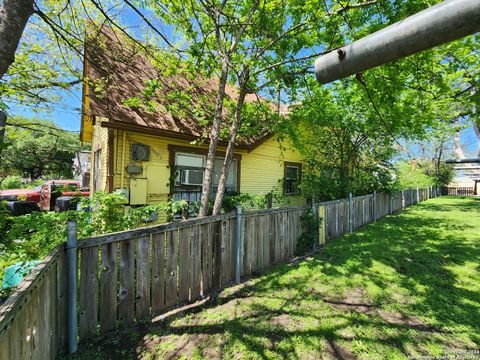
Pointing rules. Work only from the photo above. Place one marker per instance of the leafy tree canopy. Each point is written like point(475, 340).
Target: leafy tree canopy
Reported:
point(38, 148)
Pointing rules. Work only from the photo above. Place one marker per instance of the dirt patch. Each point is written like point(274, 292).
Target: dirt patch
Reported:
point(399, 319)
point(336, 351)
point(284, 321)
point(354, 300)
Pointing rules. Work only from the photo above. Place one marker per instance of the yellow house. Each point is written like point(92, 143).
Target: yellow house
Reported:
point(153, 156)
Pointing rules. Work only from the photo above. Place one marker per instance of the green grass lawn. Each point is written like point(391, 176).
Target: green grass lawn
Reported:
point(408, 285)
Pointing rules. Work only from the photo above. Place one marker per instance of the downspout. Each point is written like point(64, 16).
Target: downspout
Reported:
point(124, 140)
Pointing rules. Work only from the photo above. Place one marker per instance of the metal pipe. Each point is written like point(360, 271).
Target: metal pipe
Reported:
point(72, 286)
point(238, 242)
point(463, 161)
point(436, 25)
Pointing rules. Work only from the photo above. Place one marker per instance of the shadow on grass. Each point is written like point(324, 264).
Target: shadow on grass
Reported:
point(404, 285)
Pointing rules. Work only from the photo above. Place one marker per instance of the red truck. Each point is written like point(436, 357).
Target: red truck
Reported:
point(43, 197)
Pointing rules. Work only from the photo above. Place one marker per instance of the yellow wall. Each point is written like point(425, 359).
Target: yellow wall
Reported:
point(100, 141)
point(262, 170)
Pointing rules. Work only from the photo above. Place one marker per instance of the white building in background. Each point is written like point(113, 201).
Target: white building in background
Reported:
point(81, 167)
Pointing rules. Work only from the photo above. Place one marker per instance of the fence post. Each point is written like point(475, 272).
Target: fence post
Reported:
point(238, 243)
point(418, 196)
point(374, 205)
point(323, 230)
point(315, 217)
point(72, 286)
point(403, 199)
point(350, 213)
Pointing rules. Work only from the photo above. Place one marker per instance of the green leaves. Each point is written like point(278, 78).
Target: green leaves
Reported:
point(37, 148)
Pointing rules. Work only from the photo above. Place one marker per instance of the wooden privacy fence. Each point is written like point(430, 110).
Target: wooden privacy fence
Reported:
point(130, 276)
point(33, 320)
point(458, 191)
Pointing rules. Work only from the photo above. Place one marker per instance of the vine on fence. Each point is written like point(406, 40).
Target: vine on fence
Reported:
point(306, 241)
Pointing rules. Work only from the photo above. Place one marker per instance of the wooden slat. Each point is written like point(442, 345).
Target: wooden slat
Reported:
point(246, 246)
point(232, 248)
point(5, 345)
point(158, 272)
point(142, 274)
point(271, 239)
point(184, 265)
point(266, 241)
point(283, 237)
point(260, 229)
point(46, 296)
point(195, 264)
point(242, 247)
point(52, 320)
point(88, 314)
point(148, 230)
point(225, 253)
point(108, 287)
point(206, 260)
point(62, 302)
point(171, 268)
point(217, 247)
point(278, 238)
point(126, 293)
point(255, 242)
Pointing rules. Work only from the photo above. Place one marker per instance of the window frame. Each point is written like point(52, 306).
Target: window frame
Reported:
point(185, 150)
point(286, 165)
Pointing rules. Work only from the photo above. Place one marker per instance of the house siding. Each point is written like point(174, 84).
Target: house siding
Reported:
point(100, 141)
point(261, 171)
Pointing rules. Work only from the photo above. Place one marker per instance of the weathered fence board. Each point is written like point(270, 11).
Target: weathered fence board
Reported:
point(32, 319)
point(88, 293)
point(158, 273)
point(171, 268)
point(184, 265)
point(129, 276)
point(195, 264)
point(142, 297)
point(108, 288)
point(126, 293)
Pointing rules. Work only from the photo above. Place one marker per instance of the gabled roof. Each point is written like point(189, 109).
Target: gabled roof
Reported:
point(117, 70)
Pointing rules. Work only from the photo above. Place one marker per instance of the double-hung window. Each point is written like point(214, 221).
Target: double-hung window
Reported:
point(292, 178)
point(190, 171)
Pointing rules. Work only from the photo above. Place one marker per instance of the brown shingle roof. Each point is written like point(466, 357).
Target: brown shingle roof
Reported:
point(117, 70)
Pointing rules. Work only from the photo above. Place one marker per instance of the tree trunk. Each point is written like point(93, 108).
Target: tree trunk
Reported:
point(457, 148)
point(217, 206)
point(14, 15)
point(214, 137)
point(3, 123)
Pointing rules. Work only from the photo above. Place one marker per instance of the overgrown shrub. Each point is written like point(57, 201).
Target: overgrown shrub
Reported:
point(248, 201)
point(307, 239)
point(33, 236)
point(10, 182)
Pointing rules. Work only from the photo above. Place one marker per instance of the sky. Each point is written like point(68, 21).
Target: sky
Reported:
point(67, 113)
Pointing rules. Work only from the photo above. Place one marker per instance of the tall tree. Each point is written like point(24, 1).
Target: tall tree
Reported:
point(14, 15)
point(37, 148)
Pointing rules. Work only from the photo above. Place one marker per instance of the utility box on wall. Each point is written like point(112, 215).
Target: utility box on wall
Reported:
point(138, 191)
